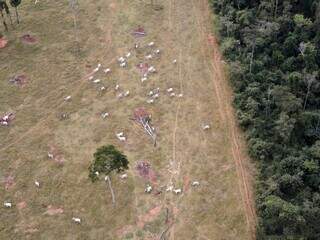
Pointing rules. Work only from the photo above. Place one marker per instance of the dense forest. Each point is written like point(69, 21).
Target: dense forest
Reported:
point(272, 49)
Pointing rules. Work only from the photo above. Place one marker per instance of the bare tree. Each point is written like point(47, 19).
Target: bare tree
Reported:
point(15, 4)
point(2, 16)
point(309, 79)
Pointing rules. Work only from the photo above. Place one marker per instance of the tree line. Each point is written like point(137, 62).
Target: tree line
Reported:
point(273, 53)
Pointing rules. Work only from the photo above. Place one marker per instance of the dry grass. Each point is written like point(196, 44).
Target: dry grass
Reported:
point(56, 69)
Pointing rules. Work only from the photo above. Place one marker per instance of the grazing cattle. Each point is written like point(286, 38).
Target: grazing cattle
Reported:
point(150, 101)
point(7, 204)
point(127, 93)
point(180, 95)
point(123, 64)
point(97, 81)
point(124, 176)
point(152, 69)
point(104, 115)
point(157, 51)
point(121, 136)
point(150, 44)
point(128, 54)
point(37, 183)
point(155, 96)
point(117, 87)
point(148, 57)
point(50, 155)
point(96, 173)
point(107, 70)
point(169, 188)
point(102, 88)
point(121, 59)
point(205, 127)
point(177, 191)
point(169, 90)
point(195, 184)
point(148, 189)
point(76, 220)
point(67, 98)
point(172, 94)
point(91, 78)
point(174, 61)
point(144, 79)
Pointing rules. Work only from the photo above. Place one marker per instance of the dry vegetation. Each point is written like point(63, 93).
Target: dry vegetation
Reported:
point(56, 68)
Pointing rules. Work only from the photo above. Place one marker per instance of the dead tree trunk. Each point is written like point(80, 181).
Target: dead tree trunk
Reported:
point(252, 54)
point(111, 190)
point(4, 22)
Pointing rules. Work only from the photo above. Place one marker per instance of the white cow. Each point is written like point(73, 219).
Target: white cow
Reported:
point(104, 115)
point(148, 189)
point(169, 90)
point(76, 220)
point(195, 184)
point(124, 176)
point(37, 183)
point(67, 98)
point(177, 191)
point(7, 204)
point(206, 127)
point(107, 70)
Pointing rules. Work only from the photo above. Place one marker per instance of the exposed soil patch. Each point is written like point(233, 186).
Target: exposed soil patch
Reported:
point(57, 155)
point(149, 216)
point(27, 38)
point(21, 205)
point(19, 80)
point(8, 182)
point(3, 42)
point(144, 169)
point(51, 210)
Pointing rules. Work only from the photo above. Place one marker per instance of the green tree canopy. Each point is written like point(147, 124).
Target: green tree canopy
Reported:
point(106, 160)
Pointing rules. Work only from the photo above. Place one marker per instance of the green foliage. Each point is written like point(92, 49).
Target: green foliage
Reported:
point(273, 49)
point(106, 160)
point(15, 3)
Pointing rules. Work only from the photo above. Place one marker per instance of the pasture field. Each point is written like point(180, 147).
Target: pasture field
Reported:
point(59, 65)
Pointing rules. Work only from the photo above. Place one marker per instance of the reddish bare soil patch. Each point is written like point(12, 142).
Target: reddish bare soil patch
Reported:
point(27, 38)
point(57, 155)
point(3, 42)
point(186, 183)
point(144, 169)
point(124, 230)
point(143, 67)
point(51, 210)
point(21, 205)
point(8, 182)
point(19, 80)
point(139, 32)
point(149, 217)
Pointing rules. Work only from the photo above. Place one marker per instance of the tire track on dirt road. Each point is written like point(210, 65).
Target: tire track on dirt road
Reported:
point(226, 113)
